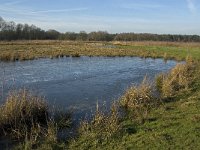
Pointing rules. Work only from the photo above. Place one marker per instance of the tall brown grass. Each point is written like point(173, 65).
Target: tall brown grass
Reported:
point(26, 118)
point(138, 100)
point(22, 111)
point(177, 79)
point(103, 126)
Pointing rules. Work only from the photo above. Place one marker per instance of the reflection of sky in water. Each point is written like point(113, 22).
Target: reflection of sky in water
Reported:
point(80, 82)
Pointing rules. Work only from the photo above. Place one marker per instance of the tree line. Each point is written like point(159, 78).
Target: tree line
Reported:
point(12, 31)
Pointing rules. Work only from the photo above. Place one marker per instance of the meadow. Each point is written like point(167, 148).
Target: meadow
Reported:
point(27, 50)
point(139, 119)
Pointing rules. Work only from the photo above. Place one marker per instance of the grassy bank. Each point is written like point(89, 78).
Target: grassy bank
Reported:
point(26, 50)
point(147, 121)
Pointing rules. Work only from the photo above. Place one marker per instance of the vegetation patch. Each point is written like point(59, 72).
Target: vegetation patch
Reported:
point(28, 50)
point(100, 130)
point(179, 78)
point(138, 100)
point(174, 124)
point(26, 118)
point(20, 112)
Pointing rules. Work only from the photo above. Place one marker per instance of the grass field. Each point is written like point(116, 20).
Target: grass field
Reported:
point(26, 50)
point(139, 119)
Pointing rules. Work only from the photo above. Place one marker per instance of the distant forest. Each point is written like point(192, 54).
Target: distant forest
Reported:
point(12, 31)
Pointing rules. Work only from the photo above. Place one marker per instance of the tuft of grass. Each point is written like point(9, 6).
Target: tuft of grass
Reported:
point(139, 99)
point(25, 118)
point(21, 112)
point(100, 130)
point(102, 125)
point(48, 140)
point(179, 78)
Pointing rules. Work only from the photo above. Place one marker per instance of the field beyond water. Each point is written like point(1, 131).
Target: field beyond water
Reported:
point(138, 120)
point(26, 50)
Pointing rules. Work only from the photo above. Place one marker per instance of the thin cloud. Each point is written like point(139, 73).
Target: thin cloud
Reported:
point(191, 6)
point(142, 6)
point(59, 10)
point(10, 10)
point(14, 2)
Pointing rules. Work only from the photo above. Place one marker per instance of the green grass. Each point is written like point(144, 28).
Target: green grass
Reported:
point(26, 50)
point(170, 52)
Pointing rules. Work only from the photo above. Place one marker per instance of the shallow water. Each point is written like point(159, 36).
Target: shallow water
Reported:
point(79, 83)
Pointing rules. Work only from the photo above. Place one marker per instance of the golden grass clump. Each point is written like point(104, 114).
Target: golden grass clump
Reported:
point(178, 78)
point(21, 112)
point(138, 97)
point(26, 119)
point(103, 126)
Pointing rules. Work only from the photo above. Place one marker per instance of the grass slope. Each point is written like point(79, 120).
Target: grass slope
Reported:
point(174, 124)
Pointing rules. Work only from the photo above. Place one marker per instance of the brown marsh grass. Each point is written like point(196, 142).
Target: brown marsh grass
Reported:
point(100, 129)
point(178, 78)
point(27, 50)
point(21, 112)
point(139, 99)
point(26, 118)
point(102, 125)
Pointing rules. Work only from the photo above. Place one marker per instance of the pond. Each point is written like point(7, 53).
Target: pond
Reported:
point(79, 82)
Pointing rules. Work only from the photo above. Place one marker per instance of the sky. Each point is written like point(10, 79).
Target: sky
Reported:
point(114, 16)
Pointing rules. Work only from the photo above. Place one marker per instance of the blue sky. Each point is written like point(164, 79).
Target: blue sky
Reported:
point(114, 16)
